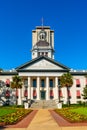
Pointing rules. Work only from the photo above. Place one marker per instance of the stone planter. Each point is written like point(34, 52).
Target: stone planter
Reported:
point(59, 105)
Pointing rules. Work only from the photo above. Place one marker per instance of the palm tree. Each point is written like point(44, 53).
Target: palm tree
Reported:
point(17, 83)
point(66, 80)
point(85, 92)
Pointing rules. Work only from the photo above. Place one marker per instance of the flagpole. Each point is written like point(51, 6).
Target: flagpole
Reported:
point(42, 22)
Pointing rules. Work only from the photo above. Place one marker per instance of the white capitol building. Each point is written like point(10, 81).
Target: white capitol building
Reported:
point(42, 74)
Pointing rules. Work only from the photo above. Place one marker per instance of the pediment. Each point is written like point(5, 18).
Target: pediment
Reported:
point(42, 63)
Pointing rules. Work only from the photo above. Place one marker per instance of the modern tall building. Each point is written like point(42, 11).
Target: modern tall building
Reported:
point(42, 74)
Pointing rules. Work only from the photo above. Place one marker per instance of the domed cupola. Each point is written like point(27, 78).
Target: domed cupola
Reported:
point(43, 42)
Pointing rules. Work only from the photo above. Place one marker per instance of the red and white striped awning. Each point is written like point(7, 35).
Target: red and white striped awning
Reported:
point(77, 82)
point(51, 93)
point(78, 93)
point(7, 82)
point(7, 94)
point(34, 93)
point(25, 93)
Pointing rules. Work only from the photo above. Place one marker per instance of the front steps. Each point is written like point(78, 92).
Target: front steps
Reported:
point(44, 104)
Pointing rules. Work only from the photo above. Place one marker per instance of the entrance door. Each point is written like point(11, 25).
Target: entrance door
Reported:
point(43, 95)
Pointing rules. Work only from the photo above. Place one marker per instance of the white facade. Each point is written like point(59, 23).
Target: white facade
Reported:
point(42, 74)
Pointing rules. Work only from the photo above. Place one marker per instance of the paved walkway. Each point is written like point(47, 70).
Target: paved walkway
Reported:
point(43, 120)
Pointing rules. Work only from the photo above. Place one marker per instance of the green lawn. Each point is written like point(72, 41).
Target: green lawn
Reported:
point(80, 110)
point(5, 111)
point(73, 114)
point(10, 115)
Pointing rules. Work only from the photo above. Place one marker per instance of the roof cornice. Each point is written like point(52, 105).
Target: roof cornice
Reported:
point(38, 59)
point(8, 73)
point(79, 73)
point(45, 70)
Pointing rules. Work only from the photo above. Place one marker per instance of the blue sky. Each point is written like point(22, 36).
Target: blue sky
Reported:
point(68, 18)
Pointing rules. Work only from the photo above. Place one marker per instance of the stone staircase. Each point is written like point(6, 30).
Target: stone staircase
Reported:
point(44, 104)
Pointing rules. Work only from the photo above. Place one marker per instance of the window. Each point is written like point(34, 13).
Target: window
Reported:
point(51, 94)
point(38, 53)
point(25, 93)
point(42, 83)
point(78, 95)
point(46, 54)
point(51, 83)
point(34, 94)
point(42, 35)
point(34, 83)
point(7, 94)
point(77, 83)
point(7, 83)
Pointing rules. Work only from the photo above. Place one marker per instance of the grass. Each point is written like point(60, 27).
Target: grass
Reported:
point(73, 114)
point(10, 115)
point(5, 111)
point(80, 110)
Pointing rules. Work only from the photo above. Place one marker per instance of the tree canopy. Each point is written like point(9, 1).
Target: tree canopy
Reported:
point(85, 92)
point(66, 80)
point(16, 82)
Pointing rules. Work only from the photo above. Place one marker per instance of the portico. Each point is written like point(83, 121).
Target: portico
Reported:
point(41, 87)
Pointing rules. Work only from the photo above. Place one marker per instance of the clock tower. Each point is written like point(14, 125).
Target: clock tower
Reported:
point(43, 42)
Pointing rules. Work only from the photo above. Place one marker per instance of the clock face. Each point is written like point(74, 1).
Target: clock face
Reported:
point(42, 35)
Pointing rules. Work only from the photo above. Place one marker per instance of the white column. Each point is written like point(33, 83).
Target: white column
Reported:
point(38, 88)
point(56, 88)
point(47, 88)
point(29, 88)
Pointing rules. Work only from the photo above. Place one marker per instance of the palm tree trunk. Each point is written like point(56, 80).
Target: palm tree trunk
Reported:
point(59, 93)
point(19, 97)
point(16, 96)
point(68, 101)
